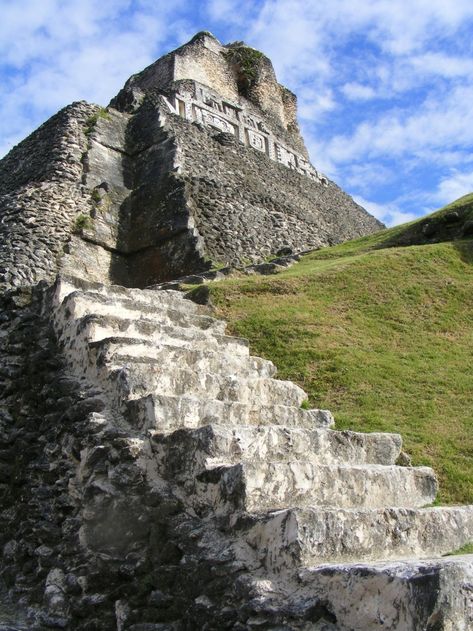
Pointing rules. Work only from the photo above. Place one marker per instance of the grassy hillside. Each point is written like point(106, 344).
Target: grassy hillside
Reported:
point(382, 337)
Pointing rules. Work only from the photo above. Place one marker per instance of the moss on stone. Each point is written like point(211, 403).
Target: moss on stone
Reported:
point(247, 62)
point(96, 197)
point(82, 222)
point(91, 122)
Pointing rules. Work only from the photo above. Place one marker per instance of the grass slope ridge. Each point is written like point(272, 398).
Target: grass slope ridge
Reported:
point(382, 337)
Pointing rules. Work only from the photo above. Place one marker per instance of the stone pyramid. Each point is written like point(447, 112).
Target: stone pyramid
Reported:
point(156, 476)
point(197, 163)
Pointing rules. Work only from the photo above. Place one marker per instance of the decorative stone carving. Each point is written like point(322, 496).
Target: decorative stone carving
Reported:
point(216, 121)
point(257, 141)
point(211, 102)
point(233, 119)
point(231, 111)
point(285, 157)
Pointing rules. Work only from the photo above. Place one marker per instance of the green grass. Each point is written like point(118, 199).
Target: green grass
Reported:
point(466, 549)
point(382, 337)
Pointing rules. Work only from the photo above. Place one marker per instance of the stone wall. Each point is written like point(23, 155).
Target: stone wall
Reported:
point(233, 88)
point(246, 206)
point(148, 462)
point(174, 179)
point(41, 197)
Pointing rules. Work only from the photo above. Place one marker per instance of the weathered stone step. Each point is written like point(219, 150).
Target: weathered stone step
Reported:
point(107, 351)
point(414, 595)
point(66, 285)
point(167, 413)
point(132, 377)
point(94, 328)
point(275, 485)
point(80, 303)
point(190, 451)
point(310, 536)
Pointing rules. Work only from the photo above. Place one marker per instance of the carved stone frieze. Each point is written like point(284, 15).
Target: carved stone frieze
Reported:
point(210, 109)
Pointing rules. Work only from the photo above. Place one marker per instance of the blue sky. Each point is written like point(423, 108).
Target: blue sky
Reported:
point(385, 87)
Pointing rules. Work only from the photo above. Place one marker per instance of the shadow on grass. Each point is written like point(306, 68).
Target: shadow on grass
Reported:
point(465, 249)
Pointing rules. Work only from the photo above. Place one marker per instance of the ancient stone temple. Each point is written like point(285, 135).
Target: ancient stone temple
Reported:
point(197, 163)
point(155, 475)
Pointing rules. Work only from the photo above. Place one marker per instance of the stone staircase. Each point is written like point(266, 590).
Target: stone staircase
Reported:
point(317, 514)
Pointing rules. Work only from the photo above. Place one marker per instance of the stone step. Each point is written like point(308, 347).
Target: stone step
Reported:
point(66, 285)
point(167, 413)
point(80, 303)
point(187, 452)
point(107, 351)
point(408, 595)
point(132, 377)
point(93, 328)
point(310, 536)
point(274, 485)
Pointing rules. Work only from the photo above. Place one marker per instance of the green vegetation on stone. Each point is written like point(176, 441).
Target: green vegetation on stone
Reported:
point(381, 337)
point(82, 222)
point(95, 195)
point(92, 120)
point(466, 549)
point(247, 60)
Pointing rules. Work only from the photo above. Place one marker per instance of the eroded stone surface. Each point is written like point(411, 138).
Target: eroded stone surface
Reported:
point(191, 451)
point(142, 450)
point(415, 594)
point(139, 512)
point(148, 189)
point(321, 535)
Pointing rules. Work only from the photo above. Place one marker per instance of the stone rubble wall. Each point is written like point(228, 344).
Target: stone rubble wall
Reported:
point(155, 475)
point(199, 104)
point(247, 207)
point(205, 62)
point(145, 198)
point(41, 196)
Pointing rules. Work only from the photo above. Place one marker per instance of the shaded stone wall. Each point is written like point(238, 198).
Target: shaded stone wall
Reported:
point(139, 199)
point(41, 196)
point(87, 543)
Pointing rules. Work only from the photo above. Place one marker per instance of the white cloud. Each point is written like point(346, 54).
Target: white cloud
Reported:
point(313, 103)
point(57, 51)
point(390, 214)
point(442, 124)
point(358, 92)
point(443, 65)
point(363, 177)
point(453, 186)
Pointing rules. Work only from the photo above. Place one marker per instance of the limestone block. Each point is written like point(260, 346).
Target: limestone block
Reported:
point(93, 328)
point(110, 350)
point(406, 595)
point(139, 376)
point(78, 304)
point(269, 486)
point(312, 536)
point(166, 413)
point(67, 284)
point(187, 451)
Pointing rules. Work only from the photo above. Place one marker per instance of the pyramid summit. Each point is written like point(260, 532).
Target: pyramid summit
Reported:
point(230, 88)
point(197, 163)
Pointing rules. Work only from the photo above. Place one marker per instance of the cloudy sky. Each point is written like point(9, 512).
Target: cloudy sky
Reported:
point(385, 87)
